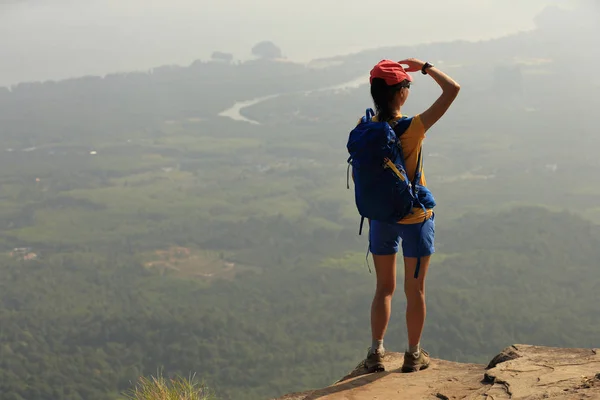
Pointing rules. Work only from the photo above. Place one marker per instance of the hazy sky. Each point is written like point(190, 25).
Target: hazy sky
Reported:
point(52, 39)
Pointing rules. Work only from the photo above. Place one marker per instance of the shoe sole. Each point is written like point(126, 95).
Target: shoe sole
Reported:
point(407, 370)
point(375, 368)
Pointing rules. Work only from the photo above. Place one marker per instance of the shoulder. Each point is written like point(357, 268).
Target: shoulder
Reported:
point(416, 129)
point(418, 122)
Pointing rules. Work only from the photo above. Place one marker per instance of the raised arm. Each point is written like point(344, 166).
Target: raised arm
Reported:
point(449, 87)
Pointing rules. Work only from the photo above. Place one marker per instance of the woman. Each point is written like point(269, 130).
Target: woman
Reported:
point(390, 85)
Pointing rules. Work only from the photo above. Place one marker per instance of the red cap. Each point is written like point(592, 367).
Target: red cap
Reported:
point(390, 71)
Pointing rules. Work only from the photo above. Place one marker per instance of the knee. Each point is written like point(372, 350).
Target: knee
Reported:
point(386, 289)
point(414, 290)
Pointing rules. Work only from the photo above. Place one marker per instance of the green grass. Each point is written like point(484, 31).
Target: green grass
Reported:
point(351, 261)
point(80, 226)
point(439, 258)
point(161, 388)
point(194, 263)
point(207, 144)
point(120, 163)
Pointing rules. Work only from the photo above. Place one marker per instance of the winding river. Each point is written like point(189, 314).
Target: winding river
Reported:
point(234, 112)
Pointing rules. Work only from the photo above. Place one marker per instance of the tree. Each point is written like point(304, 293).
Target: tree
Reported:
point(266, 50)
point(220, 56)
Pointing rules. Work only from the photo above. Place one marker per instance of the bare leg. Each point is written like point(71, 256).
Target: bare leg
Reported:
point(381, 308)
point(415, 298)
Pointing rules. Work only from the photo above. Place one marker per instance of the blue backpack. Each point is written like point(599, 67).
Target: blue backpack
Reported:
point(382, 189)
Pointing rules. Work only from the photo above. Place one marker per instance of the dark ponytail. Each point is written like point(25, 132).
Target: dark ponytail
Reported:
point(383, 97)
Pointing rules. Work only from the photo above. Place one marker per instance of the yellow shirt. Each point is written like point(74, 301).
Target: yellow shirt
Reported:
point(411, 141)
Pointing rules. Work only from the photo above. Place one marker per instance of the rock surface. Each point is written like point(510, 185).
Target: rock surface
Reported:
point(518, 372)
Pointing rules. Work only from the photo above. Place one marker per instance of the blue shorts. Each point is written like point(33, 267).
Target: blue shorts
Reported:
point(417, 239)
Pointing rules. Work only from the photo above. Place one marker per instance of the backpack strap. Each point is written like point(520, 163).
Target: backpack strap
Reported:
point(418, 174)
point(400, 129)
point(348, 173)
point(367, 257)
point(418, 171)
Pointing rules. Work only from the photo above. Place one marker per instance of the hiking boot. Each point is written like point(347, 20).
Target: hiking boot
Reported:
point(412, 364)
point(374, 361)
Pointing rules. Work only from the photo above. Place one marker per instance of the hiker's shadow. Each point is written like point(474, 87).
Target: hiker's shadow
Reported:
point(352, 381)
